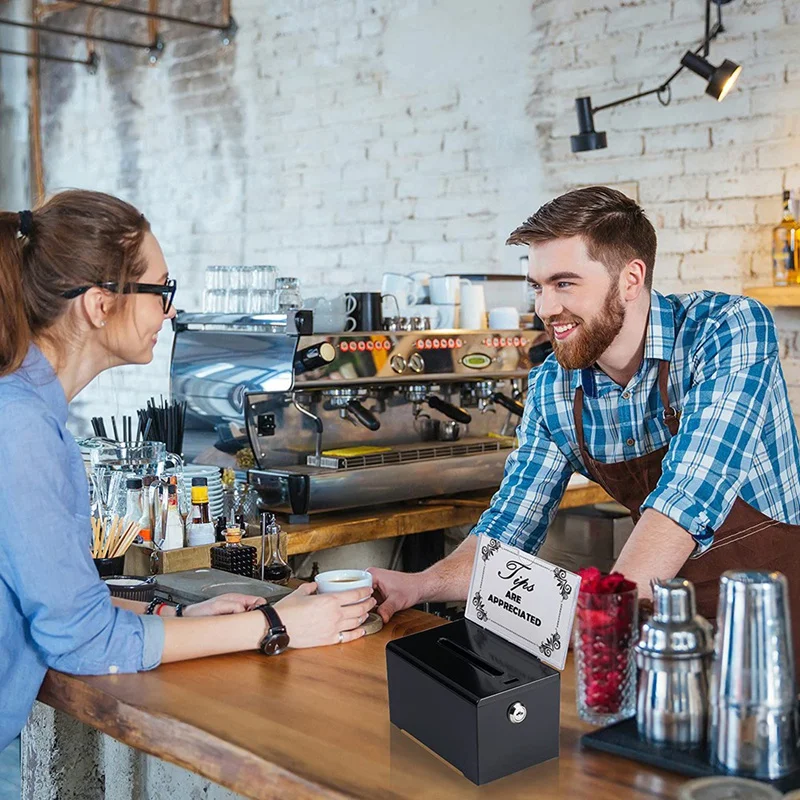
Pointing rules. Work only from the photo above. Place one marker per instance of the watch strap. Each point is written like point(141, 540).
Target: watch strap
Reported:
point(270, 644)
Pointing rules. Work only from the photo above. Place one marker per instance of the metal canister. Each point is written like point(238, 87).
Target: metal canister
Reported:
point(754, 721)
point(673, 655)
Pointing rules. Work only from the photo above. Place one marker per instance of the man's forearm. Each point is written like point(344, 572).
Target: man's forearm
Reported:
point(657, 548)
point(448, 580)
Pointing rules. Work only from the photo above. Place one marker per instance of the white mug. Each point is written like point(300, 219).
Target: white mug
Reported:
point(342, 580)
point(444, 289)
point(473, 306)
point(401, 287)
point(448, 315)
point(504, 318)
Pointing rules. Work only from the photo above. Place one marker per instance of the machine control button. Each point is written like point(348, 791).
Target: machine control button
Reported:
point(398, 363)
point(265, 424)
point(517, 713)
point(417, 363)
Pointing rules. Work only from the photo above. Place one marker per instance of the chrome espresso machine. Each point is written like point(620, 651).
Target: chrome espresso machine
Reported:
point(347, 420)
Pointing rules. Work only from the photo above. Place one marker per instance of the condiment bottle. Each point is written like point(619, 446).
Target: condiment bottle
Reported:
point(273, 546)
point(173, 535)
point(233, 556)
point(134, 503)
point(201, 530)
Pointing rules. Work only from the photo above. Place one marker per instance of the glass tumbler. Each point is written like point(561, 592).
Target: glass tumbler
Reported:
point(288, 294)
point(605, 666)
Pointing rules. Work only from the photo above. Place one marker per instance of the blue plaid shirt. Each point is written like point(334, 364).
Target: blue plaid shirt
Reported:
point(736, 436)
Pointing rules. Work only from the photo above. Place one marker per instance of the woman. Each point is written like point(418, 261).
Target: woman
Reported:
point(83, 288)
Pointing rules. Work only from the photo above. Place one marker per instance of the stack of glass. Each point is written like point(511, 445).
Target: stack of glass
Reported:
point(241, 290)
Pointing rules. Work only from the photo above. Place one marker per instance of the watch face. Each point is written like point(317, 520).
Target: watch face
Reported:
point(276, 644)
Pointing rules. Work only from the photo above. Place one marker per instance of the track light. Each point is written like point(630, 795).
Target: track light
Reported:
point(720, 79)
point(588, 138)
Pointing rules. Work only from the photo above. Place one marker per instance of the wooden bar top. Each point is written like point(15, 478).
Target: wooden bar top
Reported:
point(315, 723)
point(339, 528)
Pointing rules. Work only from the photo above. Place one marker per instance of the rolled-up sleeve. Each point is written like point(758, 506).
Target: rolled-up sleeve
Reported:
point(536, 475)
point(735, 366)
point(45, 558)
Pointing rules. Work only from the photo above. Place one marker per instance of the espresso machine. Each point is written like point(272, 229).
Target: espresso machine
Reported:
point(347, 420)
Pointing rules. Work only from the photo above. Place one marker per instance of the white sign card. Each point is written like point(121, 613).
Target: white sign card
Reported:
point(526, 601)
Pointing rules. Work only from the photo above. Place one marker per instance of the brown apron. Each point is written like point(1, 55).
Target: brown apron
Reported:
point(746, 539)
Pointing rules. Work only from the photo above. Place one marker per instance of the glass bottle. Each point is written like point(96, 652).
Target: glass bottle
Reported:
point(201, 530)
point(785, 264)
point(134, 505)
point(173, 533)
point(233, 556)
point(274, 566)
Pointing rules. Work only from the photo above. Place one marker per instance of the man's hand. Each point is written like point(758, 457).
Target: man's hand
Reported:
point(224, 604)
point(395, 591)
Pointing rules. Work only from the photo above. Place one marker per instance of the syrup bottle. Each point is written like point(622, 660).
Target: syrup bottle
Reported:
point(273, 547)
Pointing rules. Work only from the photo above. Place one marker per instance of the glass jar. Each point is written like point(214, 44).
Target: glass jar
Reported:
point(605, 666)
point(288, 294)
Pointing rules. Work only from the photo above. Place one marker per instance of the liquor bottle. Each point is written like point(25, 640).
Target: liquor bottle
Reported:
point(233, 556)
point(201, 530)
point(273, 551)
point(785, 263)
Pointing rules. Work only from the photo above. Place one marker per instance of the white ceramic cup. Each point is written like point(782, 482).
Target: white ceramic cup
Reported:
point(473, 306)
point(444, 290)
point(504, 318)
point(401, 287)
point(448, 316)
point(342, 580)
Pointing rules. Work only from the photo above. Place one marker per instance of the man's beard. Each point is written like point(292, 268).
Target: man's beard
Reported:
point(589, 340)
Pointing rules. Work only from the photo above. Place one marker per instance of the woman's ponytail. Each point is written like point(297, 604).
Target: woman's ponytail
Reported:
point(15, 331)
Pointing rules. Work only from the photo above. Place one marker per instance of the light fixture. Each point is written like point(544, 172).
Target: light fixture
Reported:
point(720, 79)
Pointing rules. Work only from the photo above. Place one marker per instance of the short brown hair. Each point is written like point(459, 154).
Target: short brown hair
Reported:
point(614, 227)
point(77, 238)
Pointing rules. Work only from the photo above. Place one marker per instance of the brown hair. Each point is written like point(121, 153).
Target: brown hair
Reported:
point(614, 227)
point(77, 238)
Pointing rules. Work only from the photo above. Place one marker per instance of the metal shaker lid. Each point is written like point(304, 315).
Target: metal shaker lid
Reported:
point(675, 630)
point(726, 787)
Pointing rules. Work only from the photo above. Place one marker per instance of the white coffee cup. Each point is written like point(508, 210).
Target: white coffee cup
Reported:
point(448, 316)
point(401, 287)
point(504, 318)
point(473, 306)
point(342, 580)
point(444, 289)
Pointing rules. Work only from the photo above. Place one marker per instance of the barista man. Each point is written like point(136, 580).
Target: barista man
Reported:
point(675, 404)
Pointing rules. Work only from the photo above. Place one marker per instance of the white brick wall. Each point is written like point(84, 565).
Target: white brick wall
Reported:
point(339, 138)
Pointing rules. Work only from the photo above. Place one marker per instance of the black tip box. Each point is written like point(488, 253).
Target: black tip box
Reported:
point(478, 701)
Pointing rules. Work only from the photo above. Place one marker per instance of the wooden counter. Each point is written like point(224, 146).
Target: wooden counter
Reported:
point(360, 525)
point(315, 723)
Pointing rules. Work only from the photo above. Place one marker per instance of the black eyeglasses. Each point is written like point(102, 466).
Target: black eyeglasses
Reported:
point(166, 290)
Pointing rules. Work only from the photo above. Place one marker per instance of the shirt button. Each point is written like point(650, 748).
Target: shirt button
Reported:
point(113, 669)
point(626, 395)
point(630, 442)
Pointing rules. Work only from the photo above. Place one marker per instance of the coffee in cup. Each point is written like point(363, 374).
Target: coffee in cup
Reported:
point(342, 580)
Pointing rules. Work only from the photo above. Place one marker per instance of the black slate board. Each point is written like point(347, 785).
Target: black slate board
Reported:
point(623, 740)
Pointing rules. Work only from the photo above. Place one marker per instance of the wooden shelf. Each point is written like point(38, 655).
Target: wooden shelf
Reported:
point(775, 296)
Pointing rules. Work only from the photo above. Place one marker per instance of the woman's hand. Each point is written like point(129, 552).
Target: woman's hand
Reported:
point(313, 619)
point(224, 604)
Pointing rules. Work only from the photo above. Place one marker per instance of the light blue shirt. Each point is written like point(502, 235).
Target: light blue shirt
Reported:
point(55, 612)
point(736, 435)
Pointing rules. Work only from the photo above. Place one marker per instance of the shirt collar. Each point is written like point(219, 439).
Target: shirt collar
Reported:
point(39, 373)
point(658, 344)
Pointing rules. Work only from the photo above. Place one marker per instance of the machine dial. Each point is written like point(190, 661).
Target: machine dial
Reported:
point(417, 363)
point(398, 363)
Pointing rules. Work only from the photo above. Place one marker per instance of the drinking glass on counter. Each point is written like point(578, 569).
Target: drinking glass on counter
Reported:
point(288, 294)
point(605, 635)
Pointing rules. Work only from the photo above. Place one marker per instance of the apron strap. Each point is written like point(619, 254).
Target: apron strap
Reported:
point(577, 414)
point(670, 417)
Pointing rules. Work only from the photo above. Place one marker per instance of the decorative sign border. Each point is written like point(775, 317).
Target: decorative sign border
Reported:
point(556, 588)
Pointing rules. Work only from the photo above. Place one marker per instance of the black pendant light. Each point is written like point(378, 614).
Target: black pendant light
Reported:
point(720, 79)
